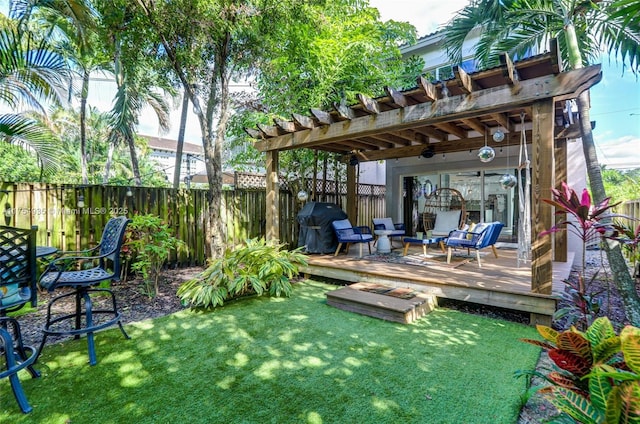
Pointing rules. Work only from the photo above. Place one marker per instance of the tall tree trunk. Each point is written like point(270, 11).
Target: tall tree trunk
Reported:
point(83, 126)
point(107, 165)
point(179, 147)
point(134, 162)
point(218, 233)
point(619, 268)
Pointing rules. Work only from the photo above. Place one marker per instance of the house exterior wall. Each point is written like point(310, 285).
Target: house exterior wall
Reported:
point(372, 173)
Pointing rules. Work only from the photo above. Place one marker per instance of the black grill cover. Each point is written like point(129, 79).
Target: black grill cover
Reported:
point(316, 232)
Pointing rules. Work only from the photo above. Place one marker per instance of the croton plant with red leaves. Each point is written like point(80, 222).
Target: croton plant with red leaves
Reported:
point(598, 372)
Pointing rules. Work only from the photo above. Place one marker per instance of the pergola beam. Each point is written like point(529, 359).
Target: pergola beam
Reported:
point(464, 80)
point(368, 104)
point(439, 148)
point(509, 72)
point(495, 100)
point(397, 97)
point(429, 90)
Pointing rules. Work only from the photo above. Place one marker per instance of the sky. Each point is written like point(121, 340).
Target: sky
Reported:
point(615, 100)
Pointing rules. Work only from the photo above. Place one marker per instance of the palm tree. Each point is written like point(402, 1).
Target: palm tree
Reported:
point(31, 74)
point(74, 23)
point(136, 88)
point(583, 30)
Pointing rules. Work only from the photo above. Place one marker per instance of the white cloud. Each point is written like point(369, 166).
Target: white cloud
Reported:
point(426, 16)
point(619, 152)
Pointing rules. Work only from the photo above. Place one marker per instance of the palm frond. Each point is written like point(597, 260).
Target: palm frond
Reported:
point(521, 27)
point(29, 71)
point(31, 135)
point(619, 35)
point(161, 108)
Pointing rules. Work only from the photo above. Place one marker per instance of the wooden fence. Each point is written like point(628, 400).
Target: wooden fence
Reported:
point(631, 210)
point(72, 217)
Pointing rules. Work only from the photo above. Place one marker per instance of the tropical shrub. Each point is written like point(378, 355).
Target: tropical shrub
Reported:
point(597, 379)
point(148, 243)
point(630, 239)
point(257, 267)
point(590, 224)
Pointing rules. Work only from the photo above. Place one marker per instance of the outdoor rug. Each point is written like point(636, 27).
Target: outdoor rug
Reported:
point(418, 259)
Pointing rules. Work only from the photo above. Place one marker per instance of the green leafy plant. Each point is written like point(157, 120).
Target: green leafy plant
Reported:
point(148, 243)
point(629, 238)
point(598, 372)
point(257, 267)
point(589, 224)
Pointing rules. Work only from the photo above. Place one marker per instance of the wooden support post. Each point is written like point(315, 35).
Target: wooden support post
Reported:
point(314, 181)
point(272, 213)
point(560, 238)
point(542, 182)
point(352, 198)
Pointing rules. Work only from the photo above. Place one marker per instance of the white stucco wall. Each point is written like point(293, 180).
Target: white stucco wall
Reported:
point(373, 173)
point(577, 179)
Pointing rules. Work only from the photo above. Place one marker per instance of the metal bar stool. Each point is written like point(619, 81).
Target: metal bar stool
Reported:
point(70, 271)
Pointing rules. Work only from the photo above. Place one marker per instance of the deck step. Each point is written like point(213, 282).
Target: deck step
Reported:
point(367, 299)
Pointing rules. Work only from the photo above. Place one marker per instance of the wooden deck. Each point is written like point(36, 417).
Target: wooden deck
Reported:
point(498, 283)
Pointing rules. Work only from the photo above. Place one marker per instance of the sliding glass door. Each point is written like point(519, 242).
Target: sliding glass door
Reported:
point(486, 196)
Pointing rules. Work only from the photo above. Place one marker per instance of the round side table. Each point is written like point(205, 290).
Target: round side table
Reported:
point(383, 244)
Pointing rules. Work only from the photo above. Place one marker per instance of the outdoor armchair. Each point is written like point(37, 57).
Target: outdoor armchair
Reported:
point(397, 229)
point(481, 236)
point(348, 234)
point(81, 272)
point(17, 288)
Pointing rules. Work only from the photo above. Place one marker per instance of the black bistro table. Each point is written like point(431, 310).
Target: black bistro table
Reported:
point(43, 251)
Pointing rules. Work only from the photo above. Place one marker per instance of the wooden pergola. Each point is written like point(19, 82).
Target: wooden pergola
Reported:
point(450, 116)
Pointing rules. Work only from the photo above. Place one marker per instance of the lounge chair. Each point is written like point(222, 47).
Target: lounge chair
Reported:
point(482, 235)
point(348, 234)
point(397, 229)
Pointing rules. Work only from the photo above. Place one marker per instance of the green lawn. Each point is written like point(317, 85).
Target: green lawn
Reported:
point(293, 360)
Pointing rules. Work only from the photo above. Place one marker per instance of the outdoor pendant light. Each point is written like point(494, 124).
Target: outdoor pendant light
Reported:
point(486, 153)
point(508, 181)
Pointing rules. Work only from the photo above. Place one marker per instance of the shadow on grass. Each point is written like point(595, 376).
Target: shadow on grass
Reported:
point(285, 360)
